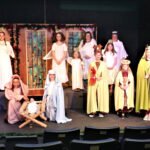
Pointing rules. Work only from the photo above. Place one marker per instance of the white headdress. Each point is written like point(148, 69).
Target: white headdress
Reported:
point(47, 77)
point(114, 32)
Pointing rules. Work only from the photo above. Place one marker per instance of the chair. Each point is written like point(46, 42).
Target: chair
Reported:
point(107, 144)
point(10, 141)
point(44, 146)
point(32, 116)
point(92, 133)
point(65, 136)
point(2, 147)
point(137, 132)
point(137, 144)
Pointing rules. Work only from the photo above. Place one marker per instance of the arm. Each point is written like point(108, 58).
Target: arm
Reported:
point(10, 50)
point(65, 53)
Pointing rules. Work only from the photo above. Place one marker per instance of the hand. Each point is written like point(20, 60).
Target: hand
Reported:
point(59, 62)
point(87, 57)
point(146, 76)
point(26, 98)
point(99, 78)
point(110, 68)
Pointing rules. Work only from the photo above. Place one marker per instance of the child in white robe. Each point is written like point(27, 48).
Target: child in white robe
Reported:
point(54, 99)
point(77, 71)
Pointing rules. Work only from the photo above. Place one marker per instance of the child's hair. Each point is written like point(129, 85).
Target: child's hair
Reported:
point(84, 39)
point(106, 49)
point(4, 37)
point(97, 51)
point(62, 36)
point(129, 69)
point(78, 54)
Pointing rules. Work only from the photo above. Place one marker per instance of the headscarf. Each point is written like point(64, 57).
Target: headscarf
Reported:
point(24, 88)
point(47, 77)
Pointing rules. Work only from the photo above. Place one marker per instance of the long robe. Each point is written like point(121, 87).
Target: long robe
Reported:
point(6, 52)
point(77, 73)
point(98, 94)
point(14, 96)
point(54, 99)
point(143, 86)
point(121, 52)
point(110, 60)
point(87, 50)
point(60, 69)
point(119, 93)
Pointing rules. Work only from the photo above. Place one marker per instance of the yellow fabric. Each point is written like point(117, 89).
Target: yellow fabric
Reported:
point(143, 86)
point(119, 93)
point(99, 101)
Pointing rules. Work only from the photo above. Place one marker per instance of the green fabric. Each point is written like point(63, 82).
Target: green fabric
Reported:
point(143, 86)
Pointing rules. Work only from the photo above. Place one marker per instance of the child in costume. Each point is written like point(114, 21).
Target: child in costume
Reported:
point(124, 89)
point(98, 93)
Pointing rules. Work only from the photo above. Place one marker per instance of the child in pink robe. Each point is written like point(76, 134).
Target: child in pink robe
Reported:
point(15, 92)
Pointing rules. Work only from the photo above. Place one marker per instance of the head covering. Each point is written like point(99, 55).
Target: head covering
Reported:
point(47, 77)
point(115, 32)
point(125, 62)
point(24, 87)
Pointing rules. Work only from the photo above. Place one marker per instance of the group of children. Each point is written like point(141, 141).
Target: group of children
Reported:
point(103, 70)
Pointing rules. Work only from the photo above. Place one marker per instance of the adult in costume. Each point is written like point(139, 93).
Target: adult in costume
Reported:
point(119, 48)
point(15, 92)
point(124, 89)
point(98, 93)
point(143, 84)
point(6, 52)
point(86, 49)
point(54, 99)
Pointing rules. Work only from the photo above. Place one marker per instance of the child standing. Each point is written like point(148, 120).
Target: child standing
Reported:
point(77, 71)
point(59, 54)
point(110, 58)
point(98, 94)
point(124, 89)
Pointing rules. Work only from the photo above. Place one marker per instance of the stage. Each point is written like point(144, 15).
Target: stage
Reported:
point(75, 108)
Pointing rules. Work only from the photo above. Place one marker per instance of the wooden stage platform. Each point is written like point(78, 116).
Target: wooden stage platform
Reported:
point(75, 106)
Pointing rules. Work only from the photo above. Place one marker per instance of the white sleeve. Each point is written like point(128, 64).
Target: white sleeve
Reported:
point(94, 42)
point(10, 50)
point(53, 47)
point(123, 51)
point(65, 47)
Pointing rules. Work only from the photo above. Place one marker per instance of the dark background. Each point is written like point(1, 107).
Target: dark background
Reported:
point(131, 18)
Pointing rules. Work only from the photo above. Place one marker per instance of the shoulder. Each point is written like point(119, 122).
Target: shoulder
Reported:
point(93, 41)
point(7, 43)
point(54, 45)
point(120, 42)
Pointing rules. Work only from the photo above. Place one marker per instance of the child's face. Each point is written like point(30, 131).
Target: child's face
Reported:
point(88, 37)
point(76, 55)
point(125, 67)
point(52, 77)
point(98, 56)
point(110, 47)
point(16, 83)
point(58, 37)
point(2, 36)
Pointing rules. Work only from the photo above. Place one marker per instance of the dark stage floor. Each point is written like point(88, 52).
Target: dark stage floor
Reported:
point(80, 120)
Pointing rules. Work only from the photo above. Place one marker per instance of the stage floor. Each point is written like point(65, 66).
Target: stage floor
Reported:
point(80, 120)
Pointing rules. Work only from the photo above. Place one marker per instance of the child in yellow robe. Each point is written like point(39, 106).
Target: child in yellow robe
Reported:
point(98, 93)
point(124, 89)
